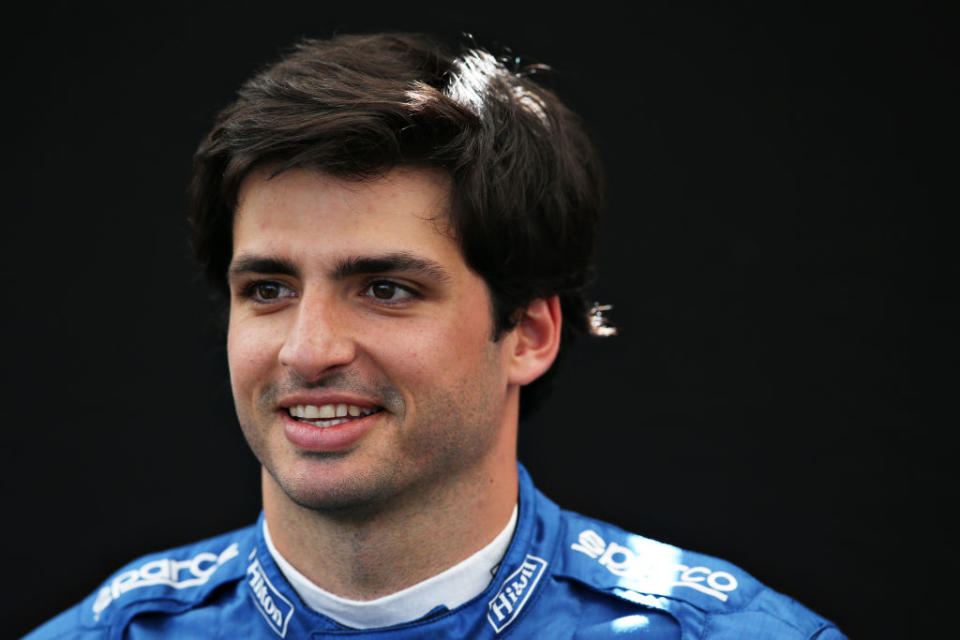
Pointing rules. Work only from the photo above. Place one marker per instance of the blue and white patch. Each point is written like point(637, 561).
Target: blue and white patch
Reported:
point(514, 592)
point(656, 566)
point(168, 572)
point(272, 604)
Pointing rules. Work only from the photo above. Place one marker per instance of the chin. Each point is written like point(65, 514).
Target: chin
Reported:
point(353, 493)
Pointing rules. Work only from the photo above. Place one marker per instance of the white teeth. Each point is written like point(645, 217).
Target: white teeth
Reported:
point(327, 415)
point(323, 424)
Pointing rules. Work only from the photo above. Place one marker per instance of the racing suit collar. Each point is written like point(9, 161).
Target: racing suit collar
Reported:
point(529, 555)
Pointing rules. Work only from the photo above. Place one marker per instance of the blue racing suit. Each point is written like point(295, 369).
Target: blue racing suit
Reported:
point(563, 576)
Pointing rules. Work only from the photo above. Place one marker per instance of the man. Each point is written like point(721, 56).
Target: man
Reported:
point(404, 237)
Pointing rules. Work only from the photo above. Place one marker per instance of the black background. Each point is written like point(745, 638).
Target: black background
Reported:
point(775, 247)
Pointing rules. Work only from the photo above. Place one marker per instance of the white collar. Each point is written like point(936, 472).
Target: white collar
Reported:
point(450, 588)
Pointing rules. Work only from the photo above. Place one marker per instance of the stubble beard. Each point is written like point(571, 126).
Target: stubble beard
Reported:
point(445, 445)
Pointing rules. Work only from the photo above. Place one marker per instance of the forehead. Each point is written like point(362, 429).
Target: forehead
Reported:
point(306, 211)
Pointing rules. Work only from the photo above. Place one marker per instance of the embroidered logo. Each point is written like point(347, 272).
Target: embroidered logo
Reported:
point(514, 592)
point(274, 607)
point(178, 574)
point(624, 561)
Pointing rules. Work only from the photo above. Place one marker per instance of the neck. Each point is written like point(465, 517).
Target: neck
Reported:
point(375, 550)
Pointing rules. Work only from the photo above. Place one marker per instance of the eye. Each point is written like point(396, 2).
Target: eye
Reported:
point(388, 291)
point(266, 291)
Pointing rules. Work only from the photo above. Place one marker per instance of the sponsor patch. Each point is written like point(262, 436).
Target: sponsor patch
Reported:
point(624, 561)
point(272, 604)
point(178, 574)
point(514, 592)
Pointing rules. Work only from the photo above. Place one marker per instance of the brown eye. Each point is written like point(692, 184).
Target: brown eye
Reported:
point(265, 291)
point(383, 290)
point(388, 292)
point(268, 290)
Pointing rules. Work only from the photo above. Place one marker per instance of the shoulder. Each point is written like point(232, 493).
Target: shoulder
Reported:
point(715, 597)
point(170, 581)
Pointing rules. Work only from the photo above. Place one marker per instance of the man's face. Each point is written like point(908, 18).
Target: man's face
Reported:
point(360, 343)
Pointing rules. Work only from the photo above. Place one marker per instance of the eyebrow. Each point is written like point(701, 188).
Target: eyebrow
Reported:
point(397, 261)
point(245, 264)
point(401, 261)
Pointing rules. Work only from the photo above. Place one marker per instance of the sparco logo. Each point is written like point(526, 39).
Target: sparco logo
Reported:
point(514, 592)
point(275, 608)
point(165, 571)
point(624, 561)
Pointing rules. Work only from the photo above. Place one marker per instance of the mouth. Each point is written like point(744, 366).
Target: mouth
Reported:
point(330, 415)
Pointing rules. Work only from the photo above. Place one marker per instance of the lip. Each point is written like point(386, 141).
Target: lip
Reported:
point(339, 437)
point(324, 397)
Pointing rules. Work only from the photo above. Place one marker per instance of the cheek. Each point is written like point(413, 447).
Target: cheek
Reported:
point(435, 353)
point(246, 355)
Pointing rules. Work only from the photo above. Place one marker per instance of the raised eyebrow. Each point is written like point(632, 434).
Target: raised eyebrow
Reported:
point(245, 264)
point(401, 261)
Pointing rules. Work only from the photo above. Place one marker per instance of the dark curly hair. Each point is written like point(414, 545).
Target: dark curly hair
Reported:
point(526, 179)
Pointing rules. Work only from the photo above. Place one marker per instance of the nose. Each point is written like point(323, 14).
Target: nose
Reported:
point(318, 341)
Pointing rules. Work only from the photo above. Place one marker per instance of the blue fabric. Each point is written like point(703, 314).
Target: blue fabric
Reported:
point(564, 576)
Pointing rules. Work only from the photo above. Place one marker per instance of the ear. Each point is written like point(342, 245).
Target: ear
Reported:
point(536, 340)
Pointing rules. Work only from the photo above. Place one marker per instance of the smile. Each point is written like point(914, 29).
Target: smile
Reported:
point(329, 415)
